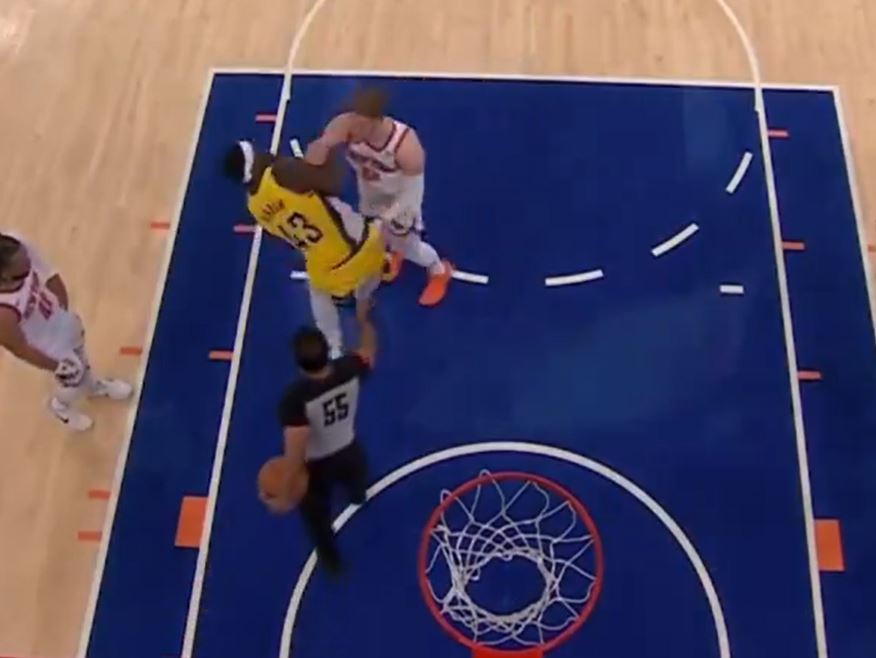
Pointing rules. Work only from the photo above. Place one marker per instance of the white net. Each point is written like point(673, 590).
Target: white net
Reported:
point(509, 519)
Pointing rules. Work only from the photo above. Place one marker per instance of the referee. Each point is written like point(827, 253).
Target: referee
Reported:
point(318, 416)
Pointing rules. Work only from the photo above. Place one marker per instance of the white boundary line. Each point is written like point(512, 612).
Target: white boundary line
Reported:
point(473, 75)
point(741, 170)
point(856, 202)
point(572, 279)
point(470, 277)
point(533, 449)
point(670, 244)
point(122, 460)
point(240, 336)
point(790, 346)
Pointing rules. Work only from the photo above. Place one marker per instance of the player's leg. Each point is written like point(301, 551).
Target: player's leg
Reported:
point(88, 384)
point(353, 472)
point(61, 404)
point(415, 249)
point(317, 514)
point(327, 319)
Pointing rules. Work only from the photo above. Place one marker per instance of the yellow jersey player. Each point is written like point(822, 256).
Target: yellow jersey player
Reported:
point(296, 201)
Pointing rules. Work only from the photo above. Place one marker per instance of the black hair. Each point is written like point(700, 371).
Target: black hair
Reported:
point(234, 163)
point(311, 349)
point(9, 246)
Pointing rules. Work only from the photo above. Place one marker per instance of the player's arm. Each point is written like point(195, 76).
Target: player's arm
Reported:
point(411, 159)
point(13, 339)
point(337, 132)
point(56, 285)
point(302, 177)
point(367, 350)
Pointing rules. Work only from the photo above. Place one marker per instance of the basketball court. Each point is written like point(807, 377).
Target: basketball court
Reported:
point(640, 424)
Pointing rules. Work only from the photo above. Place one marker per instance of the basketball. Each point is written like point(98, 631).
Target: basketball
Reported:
point(280, 484)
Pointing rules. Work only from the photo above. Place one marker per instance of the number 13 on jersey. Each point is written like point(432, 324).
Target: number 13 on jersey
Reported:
point(301, 233)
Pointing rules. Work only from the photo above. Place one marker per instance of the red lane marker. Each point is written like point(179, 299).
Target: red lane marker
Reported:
point(88, 535)
point(794, 246)
point(871, 248)
point(159, 225)
point(829, 545)
point(98, 494)
point(221, 355)
point(809, 376)
point(130, 350)
point(244, 228)
point(266, 118)
point(191, 521)
point(778, 133)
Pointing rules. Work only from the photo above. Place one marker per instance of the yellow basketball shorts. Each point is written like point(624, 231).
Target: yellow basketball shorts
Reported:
point(363, 264)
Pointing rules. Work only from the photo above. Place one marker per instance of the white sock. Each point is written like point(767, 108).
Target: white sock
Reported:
point(327, 318)
point(417, 251)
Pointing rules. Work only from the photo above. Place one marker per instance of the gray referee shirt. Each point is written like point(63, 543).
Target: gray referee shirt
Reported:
point(327, 406)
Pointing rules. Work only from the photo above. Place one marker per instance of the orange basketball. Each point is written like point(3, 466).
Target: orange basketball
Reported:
point(281, 483)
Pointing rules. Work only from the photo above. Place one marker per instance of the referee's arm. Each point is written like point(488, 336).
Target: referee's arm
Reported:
point(368, 339)
point(294, 442)
point(296, 427)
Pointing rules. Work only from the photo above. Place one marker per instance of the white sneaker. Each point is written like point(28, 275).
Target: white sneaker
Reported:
point(114, 389)
point(75, 420)
point(335, 353)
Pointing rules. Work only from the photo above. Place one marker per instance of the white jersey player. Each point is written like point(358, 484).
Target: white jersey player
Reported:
point(37, 326)
point(389, 162)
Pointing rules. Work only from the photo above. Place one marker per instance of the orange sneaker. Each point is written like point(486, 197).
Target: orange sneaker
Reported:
point(392, 267)
point(436, 289)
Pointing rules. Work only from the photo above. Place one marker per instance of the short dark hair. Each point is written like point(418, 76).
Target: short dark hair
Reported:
point(9, 246)
point(370, 102)
point(311, 349)
point(234, 163)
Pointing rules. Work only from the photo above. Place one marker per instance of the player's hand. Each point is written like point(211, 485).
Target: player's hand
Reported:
point(400, 221)
point(70, 371)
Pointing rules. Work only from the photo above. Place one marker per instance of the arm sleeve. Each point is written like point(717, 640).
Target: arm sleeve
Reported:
point(292, 412)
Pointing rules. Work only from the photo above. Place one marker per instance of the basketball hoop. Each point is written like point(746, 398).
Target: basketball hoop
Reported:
point(506, 517)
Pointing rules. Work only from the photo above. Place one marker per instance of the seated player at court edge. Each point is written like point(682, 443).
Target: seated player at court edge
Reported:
point(37, 326)
point(297, 202)
point(390, 164)
point(318, 417)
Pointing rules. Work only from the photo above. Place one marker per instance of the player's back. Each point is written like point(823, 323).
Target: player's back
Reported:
point(324, 229)
point(329, 405)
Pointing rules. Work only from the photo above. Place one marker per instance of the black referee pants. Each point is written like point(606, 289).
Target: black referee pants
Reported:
point(347, 469)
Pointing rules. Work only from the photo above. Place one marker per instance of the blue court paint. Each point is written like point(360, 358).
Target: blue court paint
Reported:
point(649, 371)
point(834, 332)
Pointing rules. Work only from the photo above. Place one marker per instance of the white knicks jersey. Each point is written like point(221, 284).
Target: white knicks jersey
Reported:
point(46, 325)
point(377, 172)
